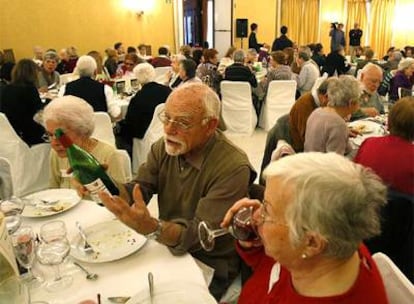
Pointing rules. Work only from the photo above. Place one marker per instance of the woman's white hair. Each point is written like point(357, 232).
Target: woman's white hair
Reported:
point(144, 72)
point(72, 113)
point(405, 63)
point(85, 66)
point(332, 196)
point(343, 91)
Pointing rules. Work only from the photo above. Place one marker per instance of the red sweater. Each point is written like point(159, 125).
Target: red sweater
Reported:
point(392, 158)
point(368, 288)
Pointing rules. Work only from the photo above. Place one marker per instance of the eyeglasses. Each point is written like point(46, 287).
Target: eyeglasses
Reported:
point(48, 137)
point(181, 124)
point(264, 214)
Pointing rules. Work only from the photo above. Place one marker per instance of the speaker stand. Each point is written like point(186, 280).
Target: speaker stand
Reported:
point(241, 39)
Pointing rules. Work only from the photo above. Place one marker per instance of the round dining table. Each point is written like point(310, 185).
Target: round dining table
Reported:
point(126, 276)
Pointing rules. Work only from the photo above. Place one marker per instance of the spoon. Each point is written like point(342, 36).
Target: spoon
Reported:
point(89, 276)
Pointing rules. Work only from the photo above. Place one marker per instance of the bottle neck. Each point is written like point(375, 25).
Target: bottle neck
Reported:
point(64, 140)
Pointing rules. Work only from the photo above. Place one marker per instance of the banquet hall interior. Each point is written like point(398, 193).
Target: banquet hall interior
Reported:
point(262, 129)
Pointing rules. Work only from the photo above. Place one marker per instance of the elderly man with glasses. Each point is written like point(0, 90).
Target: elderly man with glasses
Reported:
point(197, 173)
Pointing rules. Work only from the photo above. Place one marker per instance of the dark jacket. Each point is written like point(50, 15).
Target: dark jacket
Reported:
point(253, 44)
point(281, 43)
point(239, 72)
point(335, 62)
point(90, 90)
point(20, 103)
point(141, 109)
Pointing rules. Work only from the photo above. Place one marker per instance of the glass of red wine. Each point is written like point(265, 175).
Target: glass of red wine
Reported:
point(242, 227)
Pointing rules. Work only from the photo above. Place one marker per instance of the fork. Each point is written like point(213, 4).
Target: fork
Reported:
point(87, 248)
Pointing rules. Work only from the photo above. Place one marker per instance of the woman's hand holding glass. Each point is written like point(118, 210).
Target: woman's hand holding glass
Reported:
point(52, 250)
point(239, 222)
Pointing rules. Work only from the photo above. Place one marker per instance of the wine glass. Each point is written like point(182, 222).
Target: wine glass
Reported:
point(23, 240)
point(14, 291)
point(52, 250)
point(12, 208)
point(242, 227)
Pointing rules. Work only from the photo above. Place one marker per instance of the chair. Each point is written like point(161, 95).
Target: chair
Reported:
point(103, 128)
point(238, 112)
point(126, 162)
point(318, 82)
point(397, 233)
point(65, 78)
point(160, 73)
point(397, 287)
point(29, 166)
point(6, 180)
point(141, 147)
point(279, 100)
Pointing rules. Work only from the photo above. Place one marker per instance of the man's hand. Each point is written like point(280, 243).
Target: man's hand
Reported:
point(371, 111)
point(135, 216)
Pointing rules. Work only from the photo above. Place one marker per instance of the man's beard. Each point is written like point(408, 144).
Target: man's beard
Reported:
point(174, 146)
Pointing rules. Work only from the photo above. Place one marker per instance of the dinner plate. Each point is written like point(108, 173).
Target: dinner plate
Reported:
point(111, 240)
point(174, 293)
point(63, 200)
point(363, 128)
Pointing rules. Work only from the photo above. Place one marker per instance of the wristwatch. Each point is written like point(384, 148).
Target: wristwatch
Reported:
point(156, 233)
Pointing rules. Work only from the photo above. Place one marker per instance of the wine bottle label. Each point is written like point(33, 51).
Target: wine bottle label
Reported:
point(94, 188)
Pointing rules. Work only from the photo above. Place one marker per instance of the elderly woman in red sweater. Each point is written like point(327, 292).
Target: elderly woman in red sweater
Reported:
point(317, 210)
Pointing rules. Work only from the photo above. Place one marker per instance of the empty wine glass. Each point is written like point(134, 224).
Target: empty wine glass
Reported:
point(54, 247)
point(12, 209)
point(242, 227)
point(13, 290)
point(23, 240)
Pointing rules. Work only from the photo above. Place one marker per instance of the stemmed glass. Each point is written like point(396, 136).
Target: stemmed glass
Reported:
point(24, 244)
point(242, 227)
point(12, 208)
point(52, 250)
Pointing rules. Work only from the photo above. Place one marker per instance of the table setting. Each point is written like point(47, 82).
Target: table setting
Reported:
point(75, 250)
point(368, 127)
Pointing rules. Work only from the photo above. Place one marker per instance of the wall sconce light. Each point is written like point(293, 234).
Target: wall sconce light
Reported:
point(138, 6)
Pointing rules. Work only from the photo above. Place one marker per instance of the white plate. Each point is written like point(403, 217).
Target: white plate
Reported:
point(67, 198)
point(363, 128)
point(174, 293)
point(111, 240)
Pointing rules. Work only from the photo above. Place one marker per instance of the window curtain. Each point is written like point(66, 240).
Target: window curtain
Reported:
point(357, 12)
point(302, 19)
point(292, 18)
point(310, 24)
point(382, 17)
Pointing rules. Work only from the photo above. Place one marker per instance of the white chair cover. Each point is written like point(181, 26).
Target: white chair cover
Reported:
point(126, 162)
point(279, 100)
point(65, 78)
point(237, 111)
point(141, 147)
point(6, 182)
point(29, 166)
point(398, 288)
point(103, 128)
point(160, 74)
point(318, 82)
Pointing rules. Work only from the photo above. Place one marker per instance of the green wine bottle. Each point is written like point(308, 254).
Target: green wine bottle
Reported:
point(87, 170)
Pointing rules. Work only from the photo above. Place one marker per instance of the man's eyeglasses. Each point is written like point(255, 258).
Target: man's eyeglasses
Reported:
point(181, 124)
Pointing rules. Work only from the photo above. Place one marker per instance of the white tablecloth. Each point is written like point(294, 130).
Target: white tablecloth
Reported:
point(124, 277)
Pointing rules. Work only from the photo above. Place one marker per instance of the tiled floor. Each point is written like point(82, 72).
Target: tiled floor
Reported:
point(253, 146)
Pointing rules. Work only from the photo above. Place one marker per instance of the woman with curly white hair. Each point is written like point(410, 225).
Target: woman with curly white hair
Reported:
point(75, 117)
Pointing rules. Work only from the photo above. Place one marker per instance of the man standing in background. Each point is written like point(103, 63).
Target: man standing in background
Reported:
point(354, 39)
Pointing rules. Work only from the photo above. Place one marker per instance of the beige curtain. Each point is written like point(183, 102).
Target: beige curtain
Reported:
point(291, 17)
point(309, 26)
point(357, 12)
point(302, 19)
point(382, 17)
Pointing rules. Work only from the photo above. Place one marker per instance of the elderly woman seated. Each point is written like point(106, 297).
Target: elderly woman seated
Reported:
point(402, 79)
point(75, 117)
point(326, 129)
point(391, 156)
point(48, 77)
point(187, 72)
point(317, 210)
